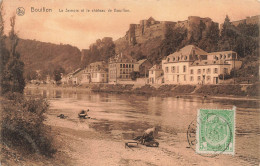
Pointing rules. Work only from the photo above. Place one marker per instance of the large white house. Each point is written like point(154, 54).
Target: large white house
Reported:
point(192, 65)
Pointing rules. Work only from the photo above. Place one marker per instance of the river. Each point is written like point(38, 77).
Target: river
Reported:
point(124, 116)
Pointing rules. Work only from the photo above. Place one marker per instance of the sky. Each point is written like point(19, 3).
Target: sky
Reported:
point(83, 28)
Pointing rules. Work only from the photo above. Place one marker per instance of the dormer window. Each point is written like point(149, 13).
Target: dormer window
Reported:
point(168, 59)
point(173, 59)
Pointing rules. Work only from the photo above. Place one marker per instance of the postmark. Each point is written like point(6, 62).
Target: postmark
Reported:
point(213, 132)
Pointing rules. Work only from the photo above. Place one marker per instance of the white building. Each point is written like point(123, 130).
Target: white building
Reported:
point(156, 75)
point(192, 65)
point(95, 73)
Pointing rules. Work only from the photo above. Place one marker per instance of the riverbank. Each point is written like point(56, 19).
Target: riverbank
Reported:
point(117, 118)
point(87, 146)
point(235, 91)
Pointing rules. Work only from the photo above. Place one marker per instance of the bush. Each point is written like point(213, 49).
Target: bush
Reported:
point(224, 76)
point(22, 124)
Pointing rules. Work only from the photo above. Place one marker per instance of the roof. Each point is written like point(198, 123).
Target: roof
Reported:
point(75, 71)
point(207, 62)
point(221, 52)
point(141, 61)
point(121, 57)
point(78, 73)
point(187, 50)
point(156, 67)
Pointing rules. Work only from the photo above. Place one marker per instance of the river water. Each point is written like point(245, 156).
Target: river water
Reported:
point(124, 116)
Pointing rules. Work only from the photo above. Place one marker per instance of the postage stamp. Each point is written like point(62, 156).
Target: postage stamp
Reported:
point(215, 131)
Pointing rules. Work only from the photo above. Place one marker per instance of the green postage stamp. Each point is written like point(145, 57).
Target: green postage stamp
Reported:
point(215, 131)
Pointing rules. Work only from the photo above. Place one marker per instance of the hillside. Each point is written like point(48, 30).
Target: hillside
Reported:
point(45, 57)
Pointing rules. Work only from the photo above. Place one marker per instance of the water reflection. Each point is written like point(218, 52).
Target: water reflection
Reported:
point(124, 116)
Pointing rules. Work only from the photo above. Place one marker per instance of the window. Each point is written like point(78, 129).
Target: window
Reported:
point(225, 70)
point(173, 69)
point(184, 69)
point(199, 71)
point(191, 71)
point(166, 69)
point(204, 70)
point(208, 71)
point(191, 78)
point(121, 71)
point(198, 78)
point(126, 65)
point(185, 58)
point(168, 59)
point(184, 77)
point(216, 70)
point(208, 78)
point(132, 66)
point(123, 65)
point(177, 69)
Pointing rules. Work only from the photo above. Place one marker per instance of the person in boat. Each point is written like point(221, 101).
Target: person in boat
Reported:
point(149, 135)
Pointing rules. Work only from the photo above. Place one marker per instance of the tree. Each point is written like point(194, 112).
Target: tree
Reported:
point(173, 40)
point(134, 75)
point(57, 73)
point(12, 67)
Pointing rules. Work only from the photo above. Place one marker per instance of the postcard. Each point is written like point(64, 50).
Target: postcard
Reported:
point(127, 82)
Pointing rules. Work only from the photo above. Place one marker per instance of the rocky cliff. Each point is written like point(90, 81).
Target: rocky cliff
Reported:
point(103, 49)
point(146, 39)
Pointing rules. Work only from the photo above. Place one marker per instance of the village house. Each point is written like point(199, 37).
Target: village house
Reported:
point(192, 65)
point(142, 66)
point(77, 77)
point(95, 73)
point(71, 78)
point(120, 68)
point(156, 75)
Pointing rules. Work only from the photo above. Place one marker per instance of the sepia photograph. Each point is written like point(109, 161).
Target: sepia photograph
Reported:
point(129, 82)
